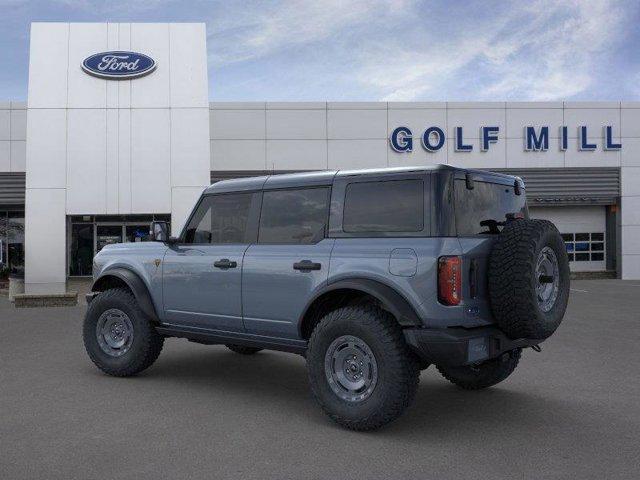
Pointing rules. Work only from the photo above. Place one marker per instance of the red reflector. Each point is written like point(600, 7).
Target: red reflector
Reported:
point(449, 280)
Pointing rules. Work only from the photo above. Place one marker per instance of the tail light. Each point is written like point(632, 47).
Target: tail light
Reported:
point(450, 280)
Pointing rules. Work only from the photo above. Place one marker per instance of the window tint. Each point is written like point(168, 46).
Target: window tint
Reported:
point(294, 216)
point(390, 206)
point(220, 219)
point(487, 203)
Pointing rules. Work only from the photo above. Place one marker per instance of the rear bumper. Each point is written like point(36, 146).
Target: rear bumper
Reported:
point(461, 346)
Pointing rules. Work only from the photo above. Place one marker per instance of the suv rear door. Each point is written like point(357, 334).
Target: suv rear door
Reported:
point(289, 262)
point(202, 273)
point(483, 203)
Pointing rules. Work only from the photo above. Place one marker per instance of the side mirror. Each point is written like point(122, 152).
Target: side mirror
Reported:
point(159, 231)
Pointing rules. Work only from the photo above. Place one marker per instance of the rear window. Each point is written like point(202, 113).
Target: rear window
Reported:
point(388, 206)
point(483, 209)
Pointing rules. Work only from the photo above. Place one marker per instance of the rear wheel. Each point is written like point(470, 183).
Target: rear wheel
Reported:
point(118, 337)
point(242, 350)
point(485, 374)
point(361, 372)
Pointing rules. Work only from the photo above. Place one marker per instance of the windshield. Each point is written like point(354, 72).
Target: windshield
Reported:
point(484, 209)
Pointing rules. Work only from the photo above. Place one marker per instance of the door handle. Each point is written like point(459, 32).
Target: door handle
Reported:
point(225, 263)
point(305, 265)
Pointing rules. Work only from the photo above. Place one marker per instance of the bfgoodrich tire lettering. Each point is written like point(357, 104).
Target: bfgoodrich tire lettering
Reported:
point(397, 370)
point(144, 346)
point(529, 279)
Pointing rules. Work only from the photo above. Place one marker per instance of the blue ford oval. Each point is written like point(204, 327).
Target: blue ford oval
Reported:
point(118, 65)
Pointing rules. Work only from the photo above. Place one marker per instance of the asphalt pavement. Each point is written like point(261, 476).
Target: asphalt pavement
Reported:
point(571, 411)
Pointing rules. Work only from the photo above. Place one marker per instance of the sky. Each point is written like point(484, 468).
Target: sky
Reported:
point(377, 50)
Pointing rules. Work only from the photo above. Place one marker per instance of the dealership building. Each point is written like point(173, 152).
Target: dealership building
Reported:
point(118, 130)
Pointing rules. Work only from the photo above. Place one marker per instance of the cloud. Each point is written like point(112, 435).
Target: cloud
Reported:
point(263, 28)
point(409, 50)
point(541, 51)
point(557, 55)
point(399, 50)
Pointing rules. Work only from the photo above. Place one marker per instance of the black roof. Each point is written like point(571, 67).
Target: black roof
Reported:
point(326, 177)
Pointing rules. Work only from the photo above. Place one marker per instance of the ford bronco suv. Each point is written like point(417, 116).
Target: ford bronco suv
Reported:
point(371, 275)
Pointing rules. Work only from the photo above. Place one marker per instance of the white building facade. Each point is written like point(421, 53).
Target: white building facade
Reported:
point(92, 160)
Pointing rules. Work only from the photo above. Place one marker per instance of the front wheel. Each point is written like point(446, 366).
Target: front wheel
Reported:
point(361, 372)
point(485, 374)
point(118, 336)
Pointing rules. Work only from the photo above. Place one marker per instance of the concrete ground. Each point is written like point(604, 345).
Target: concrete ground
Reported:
point(572, 411)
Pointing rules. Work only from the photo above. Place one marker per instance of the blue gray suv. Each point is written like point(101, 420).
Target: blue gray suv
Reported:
point(372, 275)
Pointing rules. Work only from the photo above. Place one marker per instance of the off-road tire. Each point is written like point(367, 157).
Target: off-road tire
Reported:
point(242, 350)
point(512, 279)
point(146, 344)
point(484, 375)
point(398, 369)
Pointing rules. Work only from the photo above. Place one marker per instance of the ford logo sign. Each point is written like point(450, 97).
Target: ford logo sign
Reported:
point(118, 65)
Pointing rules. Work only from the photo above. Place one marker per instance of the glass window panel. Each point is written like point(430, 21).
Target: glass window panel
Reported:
point(294, 216)
point(569, 247)
point(110, 218)
point(137, 233)
point(81, 257)
point(107, 235)
point(81, 218)
point(387, 206)
point(567, 237)
point(597, 257)
point(4, 260)
point(220, 219)
point(582, 247)
point(485, 203)
point(15, 242)
point(139, 219)
point(571, 258)
point(597, 247)
point(599, 237)
point(582, 236)
point(582, 257)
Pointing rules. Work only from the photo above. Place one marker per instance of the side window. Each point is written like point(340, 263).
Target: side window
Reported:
point(385, 206)
point(220, 219)
point(296, 216)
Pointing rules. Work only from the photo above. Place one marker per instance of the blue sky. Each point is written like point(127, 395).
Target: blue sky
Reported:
point(361, 50)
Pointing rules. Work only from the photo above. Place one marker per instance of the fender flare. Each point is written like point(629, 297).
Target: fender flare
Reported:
point(135, 284)
point(390, 299)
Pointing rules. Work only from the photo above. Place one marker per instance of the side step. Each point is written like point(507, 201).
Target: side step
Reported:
point(216, 337)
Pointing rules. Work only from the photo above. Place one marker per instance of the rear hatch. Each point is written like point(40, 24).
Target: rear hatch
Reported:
point(483, 202)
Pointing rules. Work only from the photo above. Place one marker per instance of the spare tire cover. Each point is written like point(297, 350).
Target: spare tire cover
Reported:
point(529, 279)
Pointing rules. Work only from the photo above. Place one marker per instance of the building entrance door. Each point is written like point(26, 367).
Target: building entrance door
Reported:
point(88, 234)
point(81, 251)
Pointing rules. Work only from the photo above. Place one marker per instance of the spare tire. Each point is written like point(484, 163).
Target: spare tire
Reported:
point(529, 279)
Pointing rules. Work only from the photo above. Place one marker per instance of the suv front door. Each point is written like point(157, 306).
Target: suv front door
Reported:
point(202, 273)
point(289, 262)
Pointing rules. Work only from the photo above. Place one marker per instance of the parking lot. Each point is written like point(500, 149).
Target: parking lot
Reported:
point(572, 411)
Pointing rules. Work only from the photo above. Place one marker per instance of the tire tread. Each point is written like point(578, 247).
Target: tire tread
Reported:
point(402, 363)
point(511, 283)
point(152, 342)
